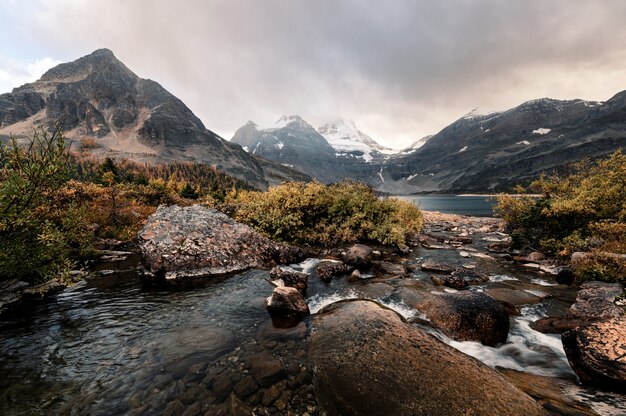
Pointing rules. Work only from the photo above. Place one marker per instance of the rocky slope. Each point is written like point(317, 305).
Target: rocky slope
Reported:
point(490, 152)
point(98, 97)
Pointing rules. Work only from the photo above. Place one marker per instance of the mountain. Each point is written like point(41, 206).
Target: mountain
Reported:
point(98, 98)
point(494, 151)
point(349, 142)
point(334, 152)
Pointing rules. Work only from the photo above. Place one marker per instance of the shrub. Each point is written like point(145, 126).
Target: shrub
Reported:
point(582, 211)
point(41, 229)
point(312, 213)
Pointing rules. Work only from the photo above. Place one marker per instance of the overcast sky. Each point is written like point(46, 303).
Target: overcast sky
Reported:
point(399, 69)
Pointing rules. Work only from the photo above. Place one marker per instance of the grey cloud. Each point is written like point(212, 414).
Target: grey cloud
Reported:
point(401, 69)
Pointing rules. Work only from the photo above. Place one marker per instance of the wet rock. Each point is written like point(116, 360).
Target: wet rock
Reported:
point(287, 301)
point(358, 255)
point(432, 266)
point(460, 279)
point(499, 247)
point(549, 392)
point(556, 324)
point(266, 369)
point(431, 242)
point(515, 297)
point(179, 242)
point(291, 278)
point(326, 269)
point(355, 350)
point(389, 268)
point(463, 239)
point(464, 254)
point(356, 274)
point(468, 316)
point(597, 353)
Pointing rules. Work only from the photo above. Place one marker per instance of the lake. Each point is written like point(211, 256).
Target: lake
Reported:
point(475, 205)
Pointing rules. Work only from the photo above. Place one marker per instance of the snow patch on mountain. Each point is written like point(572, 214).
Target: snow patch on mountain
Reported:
point(348, 141)
point(542, 131)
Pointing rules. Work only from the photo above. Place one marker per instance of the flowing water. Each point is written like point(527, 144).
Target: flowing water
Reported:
point(109, 346)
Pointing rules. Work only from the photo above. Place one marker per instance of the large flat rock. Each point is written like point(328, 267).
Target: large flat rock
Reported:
point(368, 361)
point(180, 242)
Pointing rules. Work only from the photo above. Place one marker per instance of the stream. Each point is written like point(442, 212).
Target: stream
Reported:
point(108, 346)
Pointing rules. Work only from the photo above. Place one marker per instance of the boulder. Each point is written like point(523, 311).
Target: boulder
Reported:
point(180, 242)
point(291, 278)
point(287, 301)
point(357, 347)
point(467, 316)
point(565, 276)
point(597, 353)
point(358, 255)
point(432, 266)
point(595, 301)
point(326, 269)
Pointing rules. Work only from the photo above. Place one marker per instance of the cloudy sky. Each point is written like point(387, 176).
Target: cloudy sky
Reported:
point(399, 69)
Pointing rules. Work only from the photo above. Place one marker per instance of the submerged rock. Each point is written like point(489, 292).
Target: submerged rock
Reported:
point(468, 316)
point(597, 353)
point(178, 242)
point(356, 348)
point(389, 268)
point(287, 301)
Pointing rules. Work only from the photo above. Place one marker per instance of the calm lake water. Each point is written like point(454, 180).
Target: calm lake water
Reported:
point(475, 205)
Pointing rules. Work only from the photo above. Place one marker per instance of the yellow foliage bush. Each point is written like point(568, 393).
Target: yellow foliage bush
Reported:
point(582, 211)
point(313, 213)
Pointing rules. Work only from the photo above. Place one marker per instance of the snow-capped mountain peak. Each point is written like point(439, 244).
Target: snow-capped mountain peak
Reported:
point(348, 140)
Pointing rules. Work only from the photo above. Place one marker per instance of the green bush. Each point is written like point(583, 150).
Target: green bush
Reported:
point(41, 231)
point(582, 211)
point(312, 213)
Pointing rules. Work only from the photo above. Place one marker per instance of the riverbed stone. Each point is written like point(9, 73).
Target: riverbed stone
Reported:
point(181, 242)
point(515, 297)
point(433, 266)
point(390, 268)
point(467, 316)
point(597, 353)
point(287, 301)
point(265, 368)
point(460, 279)
point(355, 350)
point(291, 278)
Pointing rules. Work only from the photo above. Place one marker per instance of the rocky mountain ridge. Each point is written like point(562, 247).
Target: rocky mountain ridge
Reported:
point(97, 98)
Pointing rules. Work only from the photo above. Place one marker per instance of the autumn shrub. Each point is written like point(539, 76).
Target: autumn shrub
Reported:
point(313, 213)
point(582, 211)
point(43, 231)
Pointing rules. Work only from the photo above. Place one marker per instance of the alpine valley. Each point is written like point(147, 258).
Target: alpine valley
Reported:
point(98, 98)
